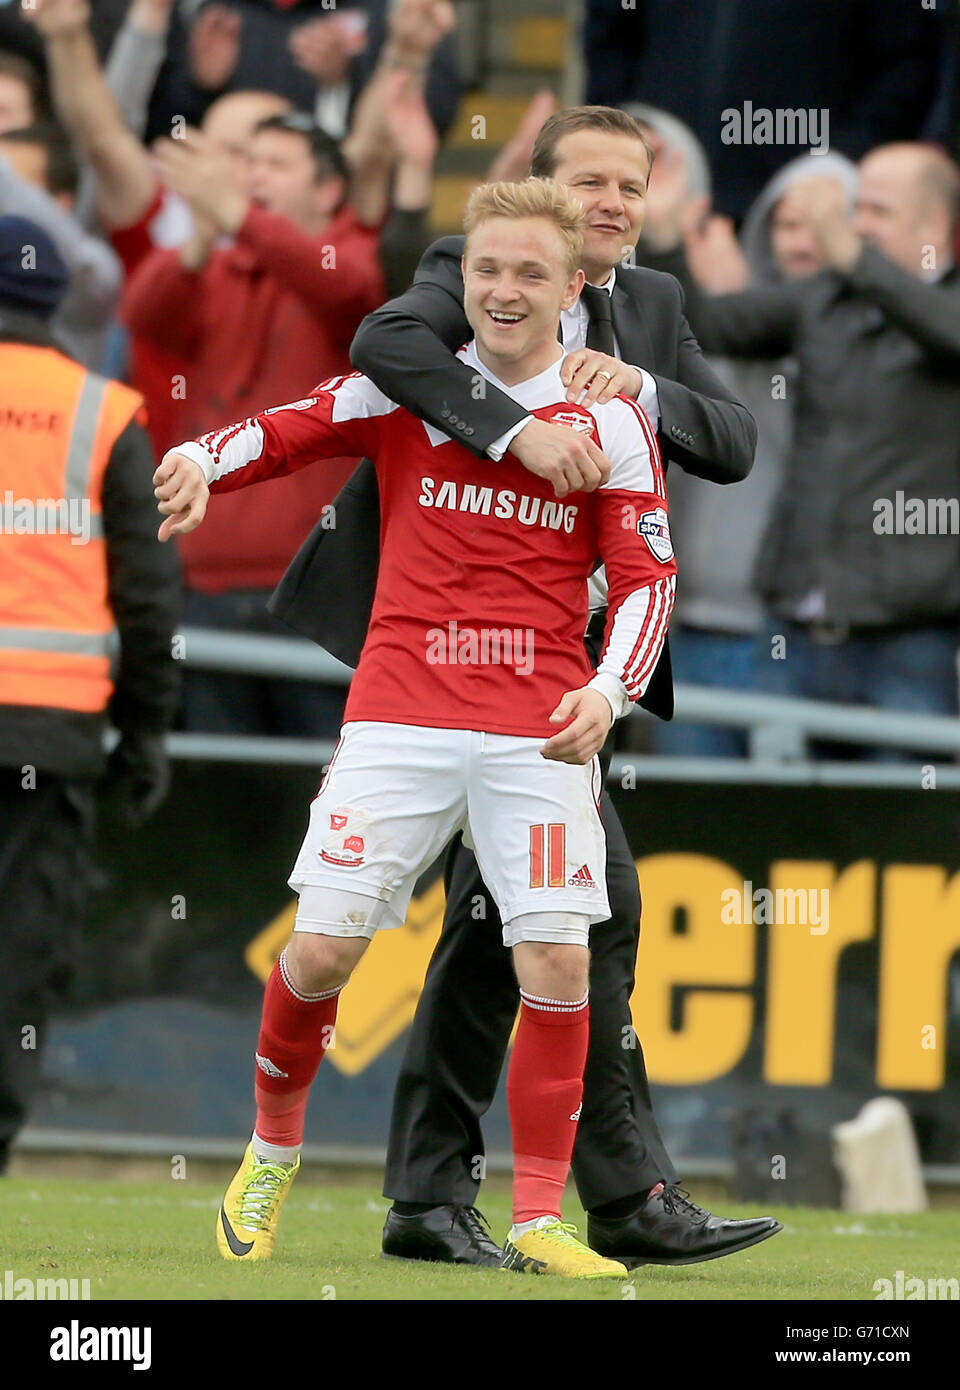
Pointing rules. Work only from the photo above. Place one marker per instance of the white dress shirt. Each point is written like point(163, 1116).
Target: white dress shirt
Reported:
point(574, 323)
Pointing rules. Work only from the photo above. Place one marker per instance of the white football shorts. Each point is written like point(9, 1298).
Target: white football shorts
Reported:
point(396, 794)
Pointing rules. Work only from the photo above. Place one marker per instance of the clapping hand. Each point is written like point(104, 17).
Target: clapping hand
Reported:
point(411, 128)
point(714, 256)
point(669, 204)
point(196, 169)
point(822, 203)
point(55, 18)
point(323, 47)
point(415, 27)
point(513, 161)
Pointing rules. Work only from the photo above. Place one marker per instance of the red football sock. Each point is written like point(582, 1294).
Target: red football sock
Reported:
point(544, 1091)
point(295, 1031)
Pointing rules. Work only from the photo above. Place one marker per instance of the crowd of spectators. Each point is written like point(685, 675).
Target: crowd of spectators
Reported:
point(240, 185)
point(234, 185)
point(833, 571)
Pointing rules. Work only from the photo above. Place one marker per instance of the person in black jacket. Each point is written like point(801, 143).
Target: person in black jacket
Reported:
point(52, 744)
point(460, 1033)
point(860, 565)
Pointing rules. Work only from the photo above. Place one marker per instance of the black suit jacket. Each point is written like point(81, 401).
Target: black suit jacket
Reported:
point(407, 346)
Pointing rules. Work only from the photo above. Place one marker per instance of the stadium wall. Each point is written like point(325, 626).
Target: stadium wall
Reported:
point(796, 955)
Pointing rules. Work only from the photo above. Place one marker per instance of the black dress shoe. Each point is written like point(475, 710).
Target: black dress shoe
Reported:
point(669, 1229)
point(449, 1234)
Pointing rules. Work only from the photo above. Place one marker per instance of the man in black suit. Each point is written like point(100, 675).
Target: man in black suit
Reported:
point(459, 1037)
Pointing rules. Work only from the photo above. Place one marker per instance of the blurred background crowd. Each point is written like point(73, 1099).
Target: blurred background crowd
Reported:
point(202, 167)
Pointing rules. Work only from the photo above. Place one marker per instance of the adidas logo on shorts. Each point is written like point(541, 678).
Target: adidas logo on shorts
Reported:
point(581, 879)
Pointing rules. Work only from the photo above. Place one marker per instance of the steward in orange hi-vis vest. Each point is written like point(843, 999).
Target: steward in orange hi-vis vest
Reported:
point(89, 598)
point(89, 602)
point(59, 424)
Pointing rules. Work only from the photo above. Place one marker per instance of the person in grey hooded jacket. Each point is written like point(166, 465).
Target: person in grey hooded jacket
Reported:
point(719, 620)
point(860, 566)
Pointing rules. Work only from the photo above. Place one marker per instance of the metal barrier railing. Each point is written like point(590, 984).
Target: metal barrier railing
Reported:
point(778, 727)
point(248, 654)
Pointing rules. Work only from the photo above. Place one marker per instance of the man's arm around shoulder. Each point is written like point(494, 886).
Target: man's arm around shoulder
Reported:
point(408, 347)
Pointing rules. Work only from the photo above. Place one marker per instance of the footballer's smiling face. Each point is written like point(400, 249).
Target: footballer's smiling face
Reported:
point(516, 281)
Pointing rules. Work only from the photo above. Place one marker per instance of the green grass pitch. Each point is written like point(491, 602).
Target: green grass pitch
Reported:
point(137, 1240)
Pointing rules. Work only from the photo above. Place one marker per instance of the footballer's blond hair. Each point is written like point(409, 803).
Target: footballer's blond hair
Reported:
point(532, 198)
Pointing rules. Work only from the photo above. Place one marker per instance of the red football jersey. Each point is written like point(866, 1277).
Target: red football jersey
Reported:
point(481, 601)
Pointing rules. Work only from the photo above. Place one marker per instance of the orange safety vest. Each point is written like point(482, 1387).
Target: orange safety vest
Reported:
point(58, 426)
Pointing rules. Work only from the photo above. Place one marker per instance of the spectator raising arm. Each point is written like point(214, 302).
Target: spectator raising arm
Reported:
point(136, 58)
point(763, 322)
point(329, 278)
point(758, 322)
point(924, 311)
point(164, 301)
point(406, 235)
point(442, 82)
point(513, 161)
point(126, 184)
point(415, 141)
point(416, 27)
point(325, 46)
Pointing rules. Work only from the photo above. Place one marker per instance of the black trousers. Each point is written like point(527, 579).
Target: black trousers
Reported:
point(46, 839)
point(458, 1042)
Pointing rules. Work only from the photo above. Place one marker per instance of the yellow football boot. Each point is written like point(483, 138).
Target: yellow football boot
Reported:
point(550, 1248)
point(247, 1220)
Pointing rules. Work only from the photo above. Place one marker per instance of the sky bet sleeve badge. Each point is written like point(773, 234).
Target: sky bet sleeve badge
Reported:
point(655, 530)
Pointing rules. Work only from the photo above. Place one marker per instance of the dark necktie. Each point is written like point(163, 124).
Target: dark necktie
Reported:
point(600, 327)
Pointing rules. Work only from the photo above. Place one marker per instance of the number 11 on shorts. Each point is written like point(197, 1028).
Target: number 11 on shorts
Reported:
point(554, 837)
